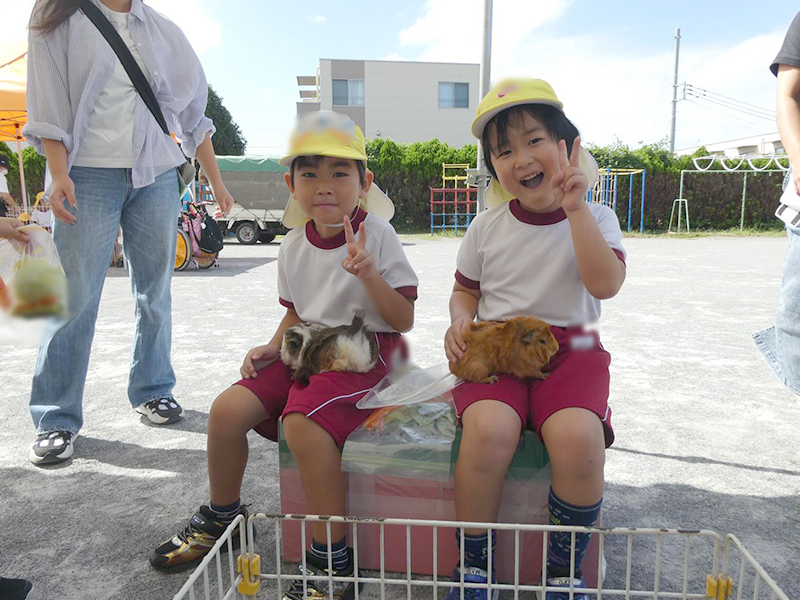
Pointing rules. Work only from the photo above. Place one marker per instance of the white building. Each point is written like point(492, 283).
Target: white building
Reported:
point(402, 101)
point(765, 144)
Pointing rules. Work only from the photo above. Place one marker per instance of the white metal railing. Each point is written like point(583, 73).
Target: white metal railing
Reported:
point(648, 563)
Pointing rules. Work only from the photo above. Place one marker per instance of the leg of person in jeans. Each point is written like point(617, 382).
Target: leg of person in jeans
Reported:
point(780, 344)
point(84, 249)
point(149, 231)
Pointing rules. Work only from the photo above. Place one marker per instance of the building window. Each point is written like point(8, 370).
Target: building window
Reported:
point(453, 95)
point(348, 92)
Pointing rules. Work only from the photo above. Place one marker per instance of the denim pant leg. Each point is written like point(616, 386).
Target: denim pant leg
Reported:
point(85, 249)
point(149, 231)
point(780, 344)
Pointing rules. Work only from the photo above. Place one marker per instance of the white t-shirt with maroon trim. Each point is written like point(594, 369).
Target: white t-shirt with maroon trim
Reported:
point(524, 263)
point(312, 281)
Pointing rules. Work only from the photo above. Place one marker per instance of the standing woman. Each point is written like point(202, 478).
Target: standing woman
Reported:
point(111, 165)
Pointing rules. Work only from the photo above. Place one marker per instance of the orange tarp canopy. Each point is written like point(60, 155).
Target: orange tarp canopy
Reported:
point(13, 77)
point(13, 115)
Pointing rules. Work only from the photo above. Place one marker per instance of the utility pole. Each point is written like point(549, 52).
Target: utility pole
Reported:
point(675, 91)
point(485, 81)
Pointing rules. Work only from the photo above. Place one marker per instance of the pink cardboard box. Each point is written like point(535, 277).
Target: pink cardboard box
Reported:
point(525, 497)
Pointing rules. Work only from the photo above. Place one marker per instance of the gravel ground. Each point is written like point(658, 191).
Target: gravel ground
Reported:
point(706, 436)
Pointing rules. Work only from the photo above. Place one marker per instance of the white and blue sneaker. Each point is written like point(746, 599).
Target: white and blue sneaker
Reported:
point(563, 592)
point(472, 575)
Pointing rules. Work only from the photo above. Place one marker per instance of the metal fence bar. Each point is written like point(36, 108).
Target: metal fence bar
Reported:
point(694, 586)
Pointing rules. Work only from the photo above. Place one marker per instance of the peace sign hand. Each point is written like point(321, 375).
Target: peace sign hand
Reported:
point(358, 262)
point(570, 184)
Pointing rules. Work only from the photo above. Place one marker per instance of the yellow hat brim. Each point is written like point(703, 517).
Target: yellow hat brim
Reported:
point(323, 150)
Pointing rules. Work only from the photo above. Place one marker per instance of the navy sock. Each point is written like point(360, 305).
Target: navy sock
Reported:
point(225, 512)
point(476, 549)
point(339, 554)
point(563, 513)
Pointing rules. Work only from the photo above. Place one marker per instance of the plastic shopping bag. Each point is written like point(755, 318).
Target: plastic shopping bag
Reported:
point(32, 281)
point(416, 386)
point(407, 441)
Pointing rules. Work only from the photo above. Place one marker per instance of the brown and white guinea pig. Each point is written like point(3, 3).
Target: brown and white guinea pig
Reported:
point(521, 346)
point(310, 349)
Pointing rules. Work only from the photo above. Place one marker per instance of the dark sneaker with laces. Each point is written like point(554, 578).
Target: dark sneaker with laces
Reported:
point(318, 590)
point(472, 575)
point(161, 411)
point(187, 548)
point(52, 447)
point(563, 593)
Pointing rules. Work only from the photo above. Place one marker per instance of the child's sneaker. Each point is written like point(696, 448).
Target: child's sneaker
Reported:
point(187, 548)
point(318, 590)
point(472, 575)
point(563, 582)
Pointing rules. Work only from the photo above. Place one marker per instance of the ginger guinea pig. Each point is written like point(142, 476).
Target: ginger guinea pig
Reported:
point(520, 346)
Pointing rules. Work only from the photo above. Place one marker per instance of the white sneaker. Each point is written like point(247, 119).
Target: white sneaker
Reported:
point(161, 411)
point(52, 447)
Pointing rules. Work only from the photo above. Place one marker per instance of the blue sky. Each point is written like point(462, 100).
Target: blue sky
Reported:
point(609, 62)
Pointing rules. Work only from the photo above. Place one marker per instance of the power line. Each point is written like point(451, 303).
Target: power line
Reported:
point(731, 102)
point(732, 118)
point(730, 107)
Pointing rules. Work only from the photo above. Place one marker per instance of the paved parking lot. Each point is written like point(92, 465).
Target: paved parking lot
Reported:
point(706, 436)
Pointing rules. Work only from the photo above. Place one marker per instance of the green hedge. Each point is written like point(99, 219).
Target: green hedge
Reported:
point(34, 172)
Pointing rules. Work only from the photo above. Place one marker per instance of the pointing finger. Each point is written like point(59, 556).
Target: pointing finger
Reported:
point(563, 160)
point(362, 235)
point(575, 158)
point(349, 236)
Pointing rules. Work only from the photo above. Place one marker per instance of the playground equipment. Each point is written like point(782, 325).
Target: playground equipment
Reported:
point(775, 163)
point(606, 189)
point(455, 203)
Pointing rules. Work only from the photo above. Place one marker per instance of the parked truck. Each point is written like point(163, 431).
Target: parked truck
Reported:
point(259, 192)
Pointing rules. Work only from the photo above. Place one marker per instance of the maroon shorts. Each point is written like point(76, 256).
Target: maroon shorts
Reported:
point(329, 399)
point(578, 378)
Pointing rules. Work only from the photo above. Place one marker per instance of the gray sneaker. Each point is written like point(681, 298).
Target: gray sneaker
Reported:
point(52, 447)
point(161, 411)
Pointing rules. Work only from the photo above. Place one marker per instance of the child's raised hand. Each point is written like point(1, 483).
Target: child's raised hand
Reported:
point(358, 262)
point(570, 184)
point(258, 358)
point(454, 346)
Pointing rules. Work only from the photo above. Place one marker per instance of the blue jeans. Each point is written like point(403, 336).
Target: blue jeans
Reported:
point(149, 217)
point(780, 344)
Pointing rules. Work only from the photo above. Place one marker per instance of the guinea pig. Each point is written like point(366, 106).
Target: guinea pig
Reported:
point(521, 346)
point(310, 349)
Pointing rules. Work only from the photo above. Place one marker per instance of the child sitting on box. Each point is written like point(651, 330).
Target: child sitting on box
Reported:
point(539, 250)
point(325, 275)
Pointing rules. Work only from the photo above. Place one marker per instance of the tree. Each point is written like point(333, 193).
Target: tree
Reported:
point(228, 140)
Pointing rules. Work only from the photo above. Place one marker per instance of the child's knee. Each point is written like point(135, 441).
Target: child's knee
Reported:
point(230, 414)
point(492, 438)
point(302, 433)
point(579, 448)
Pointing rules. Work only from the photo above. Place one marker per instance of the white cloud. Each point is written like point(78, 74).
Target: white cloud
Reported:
point(609, 89)
point(204, 33)
point(451, 30)
point(318, 19)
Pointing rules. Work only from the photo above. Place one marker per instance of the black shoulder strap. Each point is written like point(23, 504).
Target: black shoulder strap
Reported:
point(96, 16)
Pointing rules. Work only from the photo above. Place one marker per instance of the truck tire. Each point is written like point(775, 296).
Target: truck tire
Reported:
point(266, 238)
point(247, 233)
